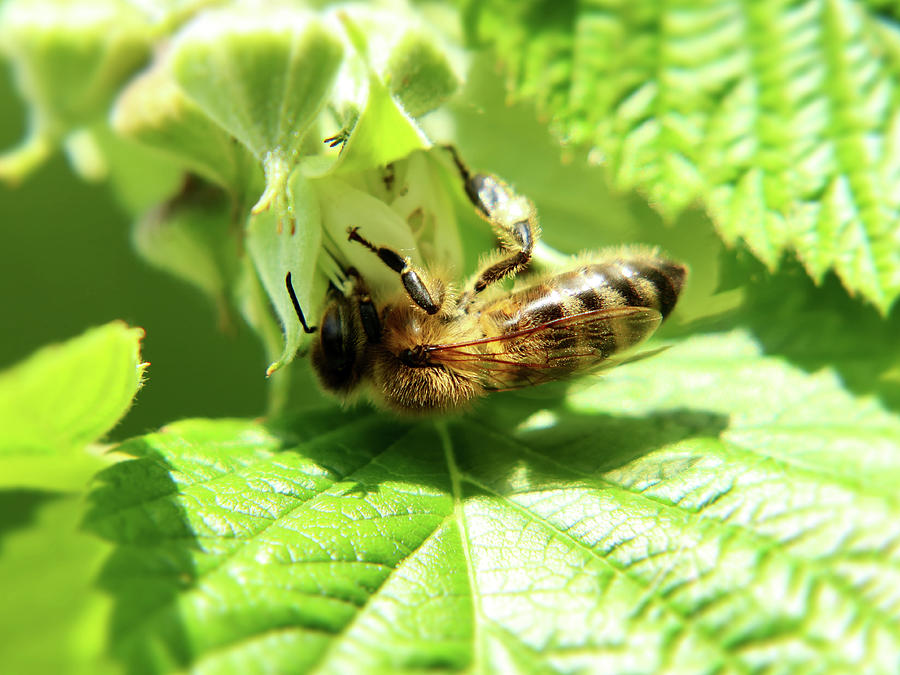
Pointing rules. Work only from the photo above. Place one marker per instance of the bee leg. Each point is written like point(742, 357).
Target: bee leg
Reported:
point(492, 198)
point(510, 214)
point(471, 183)
point(368, 314)
point(409, 275)
point(519, 239)
point(290, 289)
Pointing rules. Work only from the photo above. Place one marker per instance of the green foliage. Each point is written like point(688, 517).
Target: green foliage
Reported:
point(51, 407)
point(69, 59)
point(781, 118)
point(275, 253)
point(667, 517)
point(61, 399)
point(726, 506)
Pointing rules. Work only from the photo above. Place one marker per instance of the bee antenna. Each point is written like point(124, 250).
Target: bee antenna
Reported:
point(290, 289)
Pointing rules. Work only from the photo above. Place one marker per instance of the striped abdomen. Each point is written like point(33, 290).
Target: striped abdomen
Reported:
point(578, 334)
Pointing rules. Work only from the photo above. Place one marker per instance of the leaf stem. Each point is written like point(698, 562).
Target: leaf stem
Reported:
point(18, 163)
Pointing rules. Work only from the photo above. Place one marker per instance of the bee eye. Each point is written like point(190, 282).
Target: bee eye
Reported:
point(332, 335)
point(336, 349)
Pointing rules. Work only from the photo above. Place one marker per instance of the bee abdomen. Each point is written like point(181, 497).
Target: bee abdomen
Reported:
point(639, 282)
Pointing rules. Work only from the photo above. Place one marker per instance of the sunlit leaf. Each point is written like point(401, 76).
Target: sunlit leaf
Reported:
point(194, 237)
point(51, 405)
point(781, 118)
point(709, 510)
point(155, 111)
point(53, 619)
point(66, 396)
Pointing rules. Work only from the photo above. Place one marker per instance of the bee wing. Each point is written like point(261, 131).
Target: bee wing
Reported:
point(551, 350)
point(615, 362)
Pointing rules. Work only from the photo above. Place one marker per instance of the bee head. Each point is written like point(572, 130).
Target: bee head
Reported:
point(338, 346)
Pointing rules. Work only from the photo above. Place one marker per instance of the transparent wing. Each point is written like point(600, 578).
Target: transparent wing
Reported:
point(549, 351)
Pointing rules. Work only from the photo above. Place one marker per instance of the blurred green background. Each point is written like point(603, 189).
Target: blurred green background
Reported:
point(66, 263)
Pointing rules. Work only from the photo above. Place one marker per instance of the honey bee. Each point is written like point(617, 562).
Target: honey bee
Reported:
point(429, 349)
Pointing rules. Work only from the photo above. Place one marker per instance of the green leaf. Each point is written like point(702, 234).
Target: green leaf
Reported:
point(781, 118)
point(711, 510)
point(141, 178)
point(419, 74)
point(263, 77)
point(69, 59)
point(52, 405)
point(383, 133)
point(277, 250)
point(62, 398)
point(53, 619)
point(193, 237)
point(378, 130)
point(819, 327)
point(406, 53)
point(154, 111)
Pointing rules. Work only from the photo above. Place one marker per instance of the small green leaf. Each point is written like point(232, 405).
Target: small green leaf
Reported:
point(167, 15)
point(711, 510)
point(419, 75)
point(65, 396)
point(382, 134)
point(263, 77)
point(194, 238)
point(140, 177)
point(69, 59)
point(154, 111)
point(276, 250)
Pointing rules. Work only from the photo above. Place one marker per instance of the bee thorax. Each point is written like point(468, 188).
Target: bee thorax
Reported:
point(417, 387)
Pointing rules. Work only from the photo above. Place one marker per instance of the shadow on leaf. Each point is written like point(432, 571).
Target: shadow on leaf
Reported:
point(816, 327)
point(195, 519)
point(133, 506)
point(557, 444)
point(233, 538)
point(19, 508)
